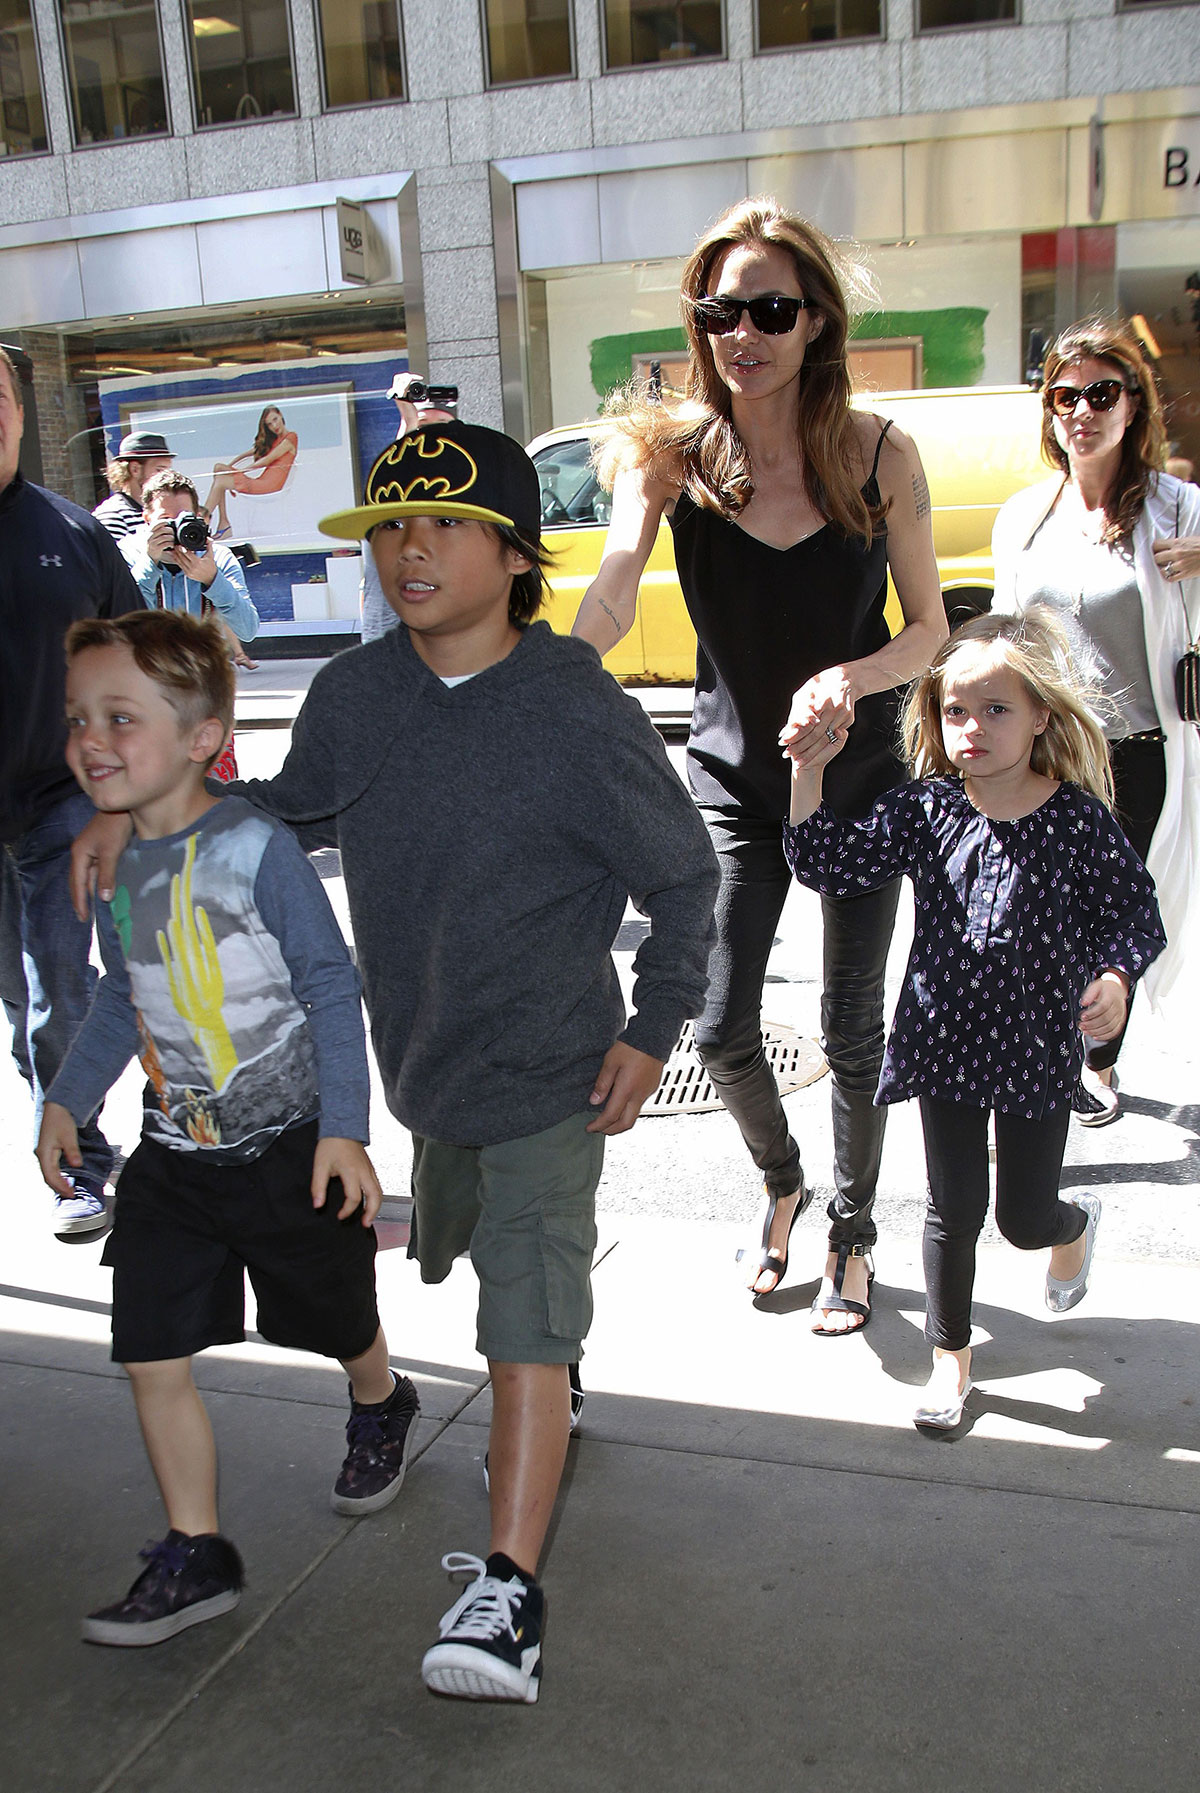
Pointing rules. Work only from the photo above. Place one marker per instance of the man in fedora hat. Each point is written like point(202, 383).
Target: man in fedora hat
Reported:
point(140, 456)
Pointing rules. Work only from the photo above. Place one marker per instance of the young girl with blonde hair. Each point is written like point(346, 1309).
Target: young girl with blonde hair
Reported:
point(1033, 920)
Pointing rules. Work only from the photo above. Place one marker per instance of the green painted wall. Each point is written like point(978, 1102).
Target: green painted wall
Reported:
point(952, 338)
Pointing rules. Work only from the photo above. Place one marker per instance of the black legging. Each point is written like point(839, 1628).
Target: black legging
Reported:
point(1139, 770)
point(1029, 1157)
point(755, 880)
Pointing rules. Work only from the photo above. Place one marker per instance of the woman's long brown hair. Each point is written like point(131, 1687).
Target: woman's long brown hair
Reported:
point(1144, 445)
point(266, 439)
point(697, 440)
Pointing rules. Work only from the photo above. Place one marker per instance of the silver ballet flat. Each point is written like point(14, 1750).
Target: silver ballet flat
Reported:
point(943, 1419)
point(1062, 1296)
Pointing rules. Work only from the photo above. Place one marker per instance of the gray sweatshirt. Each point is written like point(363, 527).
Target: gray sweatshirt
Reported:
point(490, 835)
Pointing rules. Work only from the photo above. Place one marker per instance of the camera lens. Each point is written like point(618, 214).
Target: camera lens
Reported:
point(416, 392)
point(191, 532)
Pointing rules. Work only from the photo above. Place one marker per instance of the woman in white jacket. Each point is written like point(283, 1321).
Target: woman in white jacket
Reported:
point(1095, 542)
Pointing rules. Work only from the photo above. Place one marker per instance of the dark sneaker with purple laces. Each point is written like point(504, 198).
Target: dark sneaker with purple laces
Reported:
point(185, 1581)
point(379, 1439)
point(491, 1639)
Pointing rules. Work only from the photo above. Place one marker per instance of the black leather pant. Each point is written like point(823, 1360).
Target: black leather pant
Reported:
point(857, 933)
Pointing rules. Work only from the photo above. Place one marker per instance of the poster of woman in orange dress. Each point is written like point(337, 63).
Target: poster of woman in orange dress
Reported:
point(270, 460)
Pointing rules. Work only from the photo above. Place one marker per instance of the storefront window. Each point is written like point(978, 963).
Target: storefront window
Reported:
point(527, 40)
point(241, 60)
point(637, 32)
point(951, 15)
point(785, 23)
point(114, 69)
point(22, 120)
point(360, 51)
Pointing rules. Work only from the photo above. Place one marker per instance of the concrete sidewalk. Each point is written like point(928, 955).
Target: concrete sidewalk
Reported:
point(757, 1568)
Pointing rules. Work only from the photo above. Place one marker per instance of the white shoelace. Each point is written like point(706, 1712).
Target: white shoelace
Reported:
point(486, 1608)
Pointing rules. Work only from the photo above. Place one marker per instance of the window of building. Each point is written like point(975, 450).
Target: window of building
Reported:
point(527, 40)
point(784, 24)
point(361, 57)
point(241, 60)
point(638, 32)
point(114, 69)
point(22, 119)
point(952, 15)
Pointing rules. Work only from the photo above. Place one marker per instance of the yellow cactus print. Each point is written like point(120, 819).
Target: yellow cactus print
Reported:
point(189, 956)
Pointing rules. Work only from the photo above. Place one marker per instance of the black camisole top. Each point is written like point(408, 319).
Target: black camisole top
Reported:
point(767, 619)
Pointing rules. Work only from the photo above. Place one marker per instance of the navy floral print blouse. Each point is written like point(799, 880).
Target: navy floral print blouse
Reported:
point(1013, 920)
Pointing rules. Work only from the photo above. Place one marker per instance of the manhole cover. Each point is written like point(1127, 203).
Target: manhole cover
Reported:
point(685, 1086)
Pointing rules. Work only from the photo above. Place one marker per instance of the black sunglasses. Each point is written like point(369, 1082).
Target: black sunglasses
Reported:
point(1101, 395)
point(773, 315)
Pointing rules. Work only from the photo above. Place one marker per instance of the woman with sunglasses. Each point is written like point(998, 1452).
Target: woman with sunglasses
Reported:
point(787, 509)
point(1096, 542)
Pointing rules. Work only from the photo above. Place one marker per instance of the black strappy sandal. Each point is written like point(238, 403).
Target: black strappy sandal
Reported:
point(765, 1259)
point(837, 1303)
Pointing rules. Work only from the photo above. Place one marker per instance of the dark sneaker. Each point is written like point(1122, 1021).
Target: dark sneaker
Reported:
point(85, 1210)
point(577, 1399)
point(379, 1440)
point(185, 1581)
point(491, 1642)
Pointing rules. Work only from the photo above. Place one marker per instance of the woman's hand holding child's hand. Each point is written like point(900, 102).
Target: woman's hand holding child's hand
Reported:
point(347, 1159)
point(57, 1140)
point(1103, 1006)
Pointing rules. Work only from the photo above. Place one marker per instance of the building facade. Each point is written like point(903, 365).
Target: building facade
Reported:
point(521, 180)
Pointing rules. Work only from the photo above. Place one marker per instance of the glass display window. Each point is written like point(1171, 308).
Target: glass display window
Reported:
point(527, 40)
point(638, 33)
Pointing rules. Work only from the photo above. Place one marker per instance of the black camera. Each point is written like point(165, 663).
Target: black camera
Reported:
point(444, 398)
point(189, 531)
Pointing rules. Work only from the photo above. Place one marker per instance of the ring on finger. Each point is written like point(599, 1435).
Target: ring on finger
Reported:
point(831, 736)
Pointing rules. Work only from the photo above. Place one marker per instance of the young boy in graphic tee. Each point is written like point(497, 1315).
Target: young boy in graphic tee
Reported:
point(497, 799)
point(228, 975)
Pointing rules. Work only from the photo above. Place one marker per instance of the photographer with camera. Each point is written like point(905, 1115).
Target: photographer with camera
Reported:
point(177, 566)
point(417, 402)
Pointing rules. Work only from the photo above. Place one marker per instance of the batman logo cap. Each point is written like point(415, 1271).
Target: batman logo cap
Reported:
point(447, 470)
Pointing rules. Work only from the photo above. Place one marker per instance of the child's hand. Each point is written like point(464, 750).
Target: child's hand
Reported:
point(627, 1078)
point(347, 1159)
point(1103, 1006)
point(57, 1140)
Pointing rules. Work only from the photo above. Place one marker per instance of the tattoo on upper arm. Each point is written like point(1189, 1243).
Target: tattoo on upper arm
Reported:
point(921, 495)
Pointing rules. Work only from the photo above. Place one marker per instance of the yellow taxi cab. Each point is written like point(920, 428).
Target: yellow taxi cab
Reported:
point(978, 444)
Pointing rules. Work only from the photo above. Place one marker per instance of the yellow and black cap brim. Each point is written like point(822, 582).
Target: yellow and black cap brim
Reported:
point(352, 526)
point(446, 470)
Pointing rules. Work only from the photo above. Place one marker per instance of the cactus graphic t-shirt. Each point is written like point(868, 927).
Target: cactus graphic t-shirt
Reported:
point(223, 1039)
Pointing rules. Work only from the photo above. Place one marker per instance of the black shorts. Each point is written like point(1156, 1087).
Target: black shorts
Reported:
point(186, 1230)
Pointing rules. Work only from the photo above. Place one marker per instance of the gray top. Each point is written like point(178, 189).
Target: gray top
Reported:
point(227, 974)
point(1094, 589)
point(490, 836)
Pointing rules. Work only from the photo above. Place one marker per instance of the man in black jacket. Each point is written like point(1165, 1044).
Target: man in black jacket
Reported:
point(56, 564)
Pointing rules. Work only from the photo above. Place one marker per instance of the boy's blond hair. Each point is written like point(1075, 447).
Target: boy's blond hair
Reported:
point(185, 657)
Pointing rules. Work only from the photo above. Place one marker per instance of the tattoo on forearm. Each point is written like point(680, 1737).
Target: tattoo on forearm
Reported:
point(611, 615)
point(921, 496)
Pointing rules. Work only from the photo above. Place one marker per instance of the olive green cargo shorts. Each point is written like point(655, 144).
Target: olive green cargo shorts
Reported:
point(526, 1210)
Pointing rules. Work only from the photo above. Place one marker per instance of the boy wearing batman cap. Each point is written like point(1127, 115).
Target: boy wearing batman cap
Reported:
point(497, 798)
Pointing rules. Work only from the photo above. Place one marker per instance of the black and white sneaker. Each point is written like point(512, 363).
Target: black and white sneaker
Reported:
point(491, 1639)
point(578, 1393)
point(186, 1580)
point(379, 1439)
